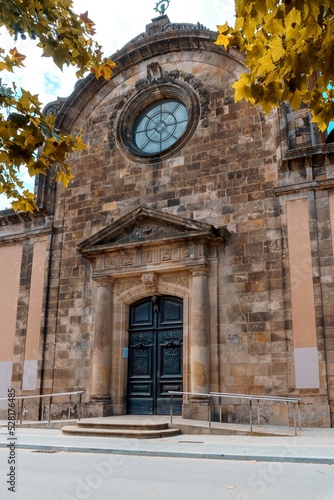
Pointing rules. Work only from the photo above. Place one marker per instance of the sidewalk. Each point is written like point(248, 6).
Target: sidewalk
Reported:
point(310, 446)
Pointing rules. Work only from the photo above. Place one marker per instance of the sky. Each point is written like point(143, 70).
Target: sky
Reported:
point(116, 23)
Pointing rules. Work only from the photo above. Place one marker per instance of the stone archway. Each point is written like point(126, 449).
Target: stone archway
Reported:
point(126, 292)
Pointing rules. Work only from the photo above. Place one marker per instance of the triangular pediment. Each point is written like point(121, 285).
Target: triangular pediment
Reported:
point(146, 224)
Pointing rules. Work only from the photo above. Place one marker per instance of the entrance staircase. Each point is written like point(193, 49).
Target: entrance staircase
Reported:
point(159, 426)
point(142, 428)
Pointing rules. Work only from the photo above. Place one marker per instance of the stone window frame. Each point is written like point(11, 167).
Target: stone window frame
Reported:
point(138, 103)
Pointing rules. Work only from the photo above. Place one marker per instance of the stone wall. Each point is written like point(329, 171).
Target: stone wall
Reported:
point(224, 176)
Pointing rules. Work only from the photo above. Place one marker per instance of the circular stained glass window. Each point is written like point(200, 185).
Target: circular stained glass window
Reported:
point(160, 125)
point(157, 122)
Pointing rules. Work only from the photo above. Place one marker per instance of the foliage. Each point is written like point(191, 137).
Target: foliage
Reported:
point(289, 49)
point(28, 138)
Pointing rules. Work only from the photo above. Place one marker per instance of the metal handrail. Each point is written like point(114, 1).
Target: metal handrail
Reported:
point(19, 408)
point(249, 397)
point(199, 394)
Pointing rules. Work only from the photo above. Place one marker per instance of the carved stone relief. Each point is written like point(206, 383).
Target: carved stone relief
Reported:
point(126, 284)
point(110, 262)
point(143, 256)
point(150, 280)
point(176, 278)
point(166, 254)
point(143, 231)
point(147, 258)
point(155, 74)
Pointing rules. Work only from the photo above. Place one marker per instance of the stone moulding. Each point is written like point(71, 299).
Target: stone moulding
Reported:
point(146, 236)
point(176, 84)
point(125, 230)
point(153, 282)
point(135, 53)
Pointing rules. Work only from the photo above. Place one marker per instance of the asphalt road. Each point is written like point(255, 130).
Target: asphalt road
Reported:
point(84, 476)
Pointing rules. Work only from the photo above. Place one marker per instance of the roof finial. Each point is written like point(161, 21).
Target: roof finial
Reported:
point(161, 6)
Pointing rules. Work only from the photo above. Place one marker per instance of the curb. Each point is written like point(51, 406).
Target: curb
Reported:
point(178, 454)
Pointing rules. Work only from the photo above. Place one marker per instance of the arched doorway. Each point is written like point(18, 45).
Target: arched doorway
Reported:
point(155, 355)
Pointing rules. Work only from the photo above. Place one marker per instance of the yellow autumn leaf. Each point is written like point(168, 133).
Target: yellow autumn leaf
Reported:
point(276, 48)
point(296, 99)
point(222, 27)
point(64, 177)
point(267, 105)
point(314, 30)
point(249, 27)
point(5, 67)
point(17, 58)
point(265, 65)
point(239, 23)
point(80, 145)
point(293, 18)
point(262, 36)
point(24, 205)
point(241, 87)
point(320, 121)
point(27, 99)
point(224, 40)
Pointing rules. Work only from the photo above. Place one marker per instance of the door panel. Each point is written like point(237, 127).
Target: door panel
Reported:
point(155, 356)
point(170, 312)
point(141, 314)
point(169, 369)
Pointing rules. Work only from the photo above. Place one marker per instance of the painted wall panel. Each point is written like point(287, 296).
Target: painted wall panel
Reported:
point(6, 369)
point(306, 367)
point(10, 270)
point(34, 317)
point(302, 295)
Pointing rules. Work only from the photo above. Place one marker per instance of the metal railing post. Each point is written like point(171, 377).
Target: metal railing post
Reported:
point(209, 411)
point(294, 418)
point(300, 423)
point(79, 409)
point(251, 414)
point(49, 410)
point(171, 407)
point(69, 408)
point(21, 414)
point(258, 412)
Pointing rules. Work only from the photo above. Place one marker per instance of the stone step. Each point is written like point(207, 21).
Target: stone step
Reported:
point(122, 425)
point(106, 431)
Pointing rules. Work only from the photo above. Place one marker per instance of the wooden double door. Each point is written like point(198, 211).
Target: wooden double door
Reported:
point(155, 355)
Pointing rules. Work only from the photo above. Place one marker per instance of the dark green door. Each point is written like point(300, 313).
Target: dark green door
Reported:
point(155, 356)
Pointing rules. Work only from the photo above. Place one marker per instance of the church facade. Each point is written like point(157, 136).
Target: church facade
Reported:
point(192, 251)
